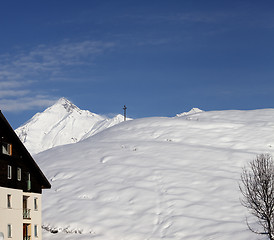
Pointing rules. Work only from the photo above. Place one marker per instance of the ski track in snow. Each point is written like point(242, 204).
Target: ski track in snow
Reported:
point(156, 178)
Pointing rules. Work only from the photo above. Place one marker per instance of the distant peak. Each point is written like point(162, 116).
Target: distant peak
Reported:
point(62, 100)
point(119, 116)
point(192, 111)
point(68, 105)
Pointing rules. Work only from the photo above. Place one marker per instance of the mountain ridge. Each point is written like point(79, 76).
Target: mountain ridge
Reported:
point(61, 123)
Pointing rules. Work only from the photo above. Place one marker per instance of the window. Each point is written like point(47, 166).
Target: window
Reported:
point(7, 149)
point(19, 174)
point(9, 200)
point(9, 172)
point(28, 182)
point(9, 231)
point(35, 203)
point(26, 210)
point(35, 231)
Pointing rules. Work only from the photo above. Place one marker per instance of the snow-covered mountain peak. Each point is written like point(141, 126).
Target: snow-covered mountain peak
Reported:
point(64, 106)
point(60, 124)
point(192, 111)
point(119, 117)
point(67, 105)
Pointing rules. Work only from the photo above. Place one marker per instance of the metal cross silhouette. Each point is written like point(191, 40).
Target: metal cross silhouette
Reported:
point(125, 112)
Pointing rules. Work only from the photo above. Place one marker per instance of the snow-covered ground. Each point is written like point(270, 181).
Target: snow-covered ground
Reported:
point(156, 178)
point(60, 124)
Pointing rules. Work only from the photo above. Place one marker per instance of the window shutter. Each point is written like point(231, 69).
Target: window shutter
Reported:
point(10, 145)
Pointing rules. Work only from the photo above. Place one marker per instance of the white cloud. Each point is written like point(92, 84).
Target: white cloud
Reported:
point(66, 54)
point(22, 73)
point(45, 59)
point(25, 103)
point(13, 93)
point(7, 84)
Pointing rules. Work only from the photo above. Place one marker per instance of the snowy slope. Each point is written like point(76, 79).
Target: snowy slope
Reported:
point(60, 124)
point(156, 178)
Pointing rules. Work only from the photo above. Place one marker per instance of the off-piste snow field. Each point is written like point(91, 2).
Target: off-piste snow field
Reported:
point(156, 178)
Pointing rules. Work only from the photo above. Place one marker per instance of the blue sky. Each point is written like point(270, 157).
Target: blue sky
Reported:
point(159, 58)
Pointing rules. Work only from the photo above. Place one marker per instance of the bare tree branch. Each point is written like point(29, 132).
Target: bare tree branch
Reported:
point(257, 188)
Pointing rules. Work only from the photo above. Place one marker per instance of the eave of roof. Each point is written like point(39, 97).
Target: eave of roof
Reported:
point(44, 181)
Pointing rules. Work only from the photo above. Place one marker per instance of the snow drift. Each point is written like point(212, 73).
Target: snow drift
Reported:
point(155, 178)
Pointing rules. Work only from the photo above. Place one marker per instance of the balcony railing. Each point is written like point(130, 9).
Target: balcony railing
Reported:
point(26, 214)
point(27, 237)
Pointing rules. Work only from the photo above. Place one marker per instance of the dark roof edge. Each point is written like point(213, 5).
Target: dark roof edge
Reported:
point(45, 182)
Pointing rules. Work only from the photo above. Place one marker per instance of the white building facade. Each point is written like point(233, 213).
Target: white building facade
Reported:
point(20, 214)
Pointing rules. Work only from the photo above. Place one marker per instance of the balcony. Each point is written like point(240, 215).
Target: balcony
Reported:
point(26, 214)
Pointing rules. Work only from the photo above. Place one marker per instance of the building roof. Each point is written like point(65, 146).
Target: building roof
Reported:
point(25, 153)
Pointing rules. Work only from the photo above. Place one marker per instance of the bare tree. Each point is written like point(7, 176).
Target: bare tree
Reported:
point(257, 188)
